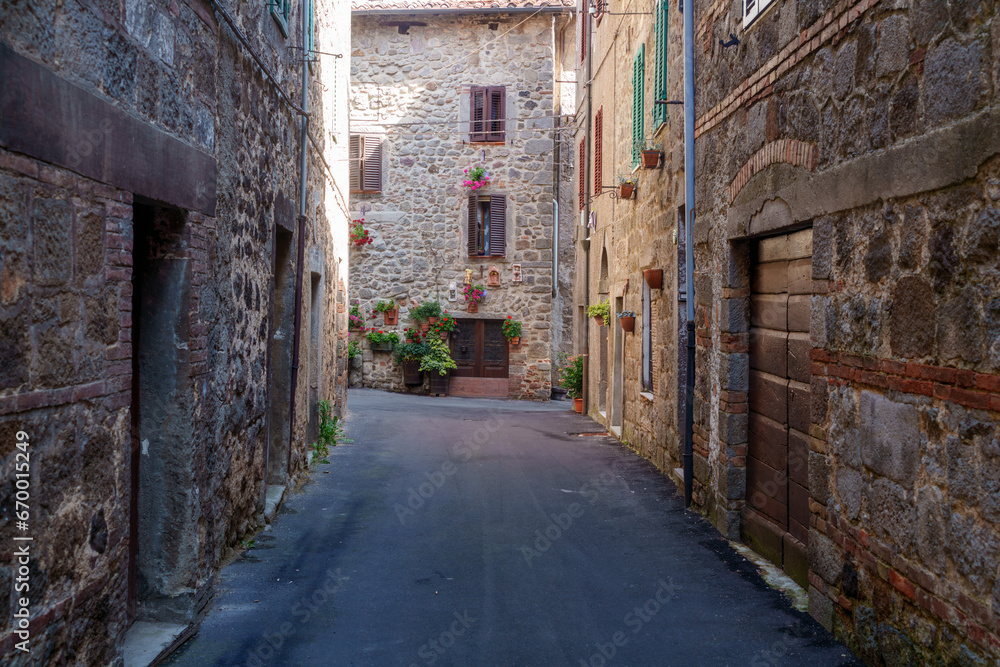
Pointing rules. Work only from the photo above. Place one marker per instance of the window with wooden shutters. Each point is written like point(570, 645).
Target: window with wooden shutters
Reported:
point(647, 339)
point(365, 155)
point(487, 114)
point(582, 173)
point(660, 66)
point(280, 10)
point(584, 29)
point(638, 81)
point(487, 225)
point(598, 150)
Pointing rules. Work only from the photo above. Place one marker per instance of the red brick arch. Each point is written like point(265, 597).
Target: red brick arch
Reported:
point(788, 151)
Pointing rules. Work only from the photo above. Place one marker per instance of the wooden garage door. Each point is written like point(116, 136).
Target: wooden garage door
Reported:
point(776, 521)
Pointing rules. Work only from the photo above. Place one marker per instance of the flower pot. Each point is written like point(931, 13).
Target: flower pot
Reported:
point(473, 306)
point(432, 320)
point(626, 191)
point(412, 375)
point(425, 326)
point(599, 319)
point(651, 159)
point(382, 347)
point(444, 335)
point(515, 340)
point(653, 277)
point(440, 383)
point(578, 405)
point(389, 316)
point(628, 323)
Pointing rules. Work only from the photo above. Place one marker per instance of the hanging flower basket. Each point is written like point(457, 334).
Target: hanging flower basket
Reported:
point(651, 159)
point(473, 307)
point(626, 190)
point(627, 320)
point(475, 178)
point(653, 278)
point(515, 341)
point(473, 295)
point(359, 235)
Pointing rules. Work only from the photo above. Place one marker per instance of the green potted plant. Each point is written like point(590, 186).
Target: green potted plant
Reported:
point(473, 295)
point(426, 313)
point(601, 312)
point(409, 356)
point(626, 318)
point(389, 311)
point(626, 186)
point(571, 378)
point(437, 362)
point(382, 341)
point(512, 331)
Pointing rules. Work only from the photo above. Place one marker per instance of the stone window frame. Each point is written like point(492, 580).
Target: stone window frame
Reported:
point(280, 12)
point(753, 9)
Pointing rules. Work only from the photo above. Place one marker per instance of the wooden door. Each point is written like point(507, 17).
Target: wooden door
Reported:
point(777, 517)
point(479, 349)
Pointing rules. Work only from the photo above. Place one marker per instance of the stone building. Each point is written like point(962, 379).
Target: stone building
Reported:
point(437, 87)
point(847, 286)
point(162, 275)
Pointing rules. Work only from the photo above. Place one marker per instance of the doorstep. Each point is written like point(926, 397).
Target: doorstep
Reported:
point(148, 643)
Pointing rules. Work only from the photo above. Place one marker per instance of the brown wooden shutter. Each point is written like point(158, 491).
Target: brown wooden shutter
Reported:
point(372, 179)
point(498, 225)
point(354, 157)
point(581, 174)
point(473, 227)
point(497, 113)
point(583, 36)
point(598, 144)
point(477, 114)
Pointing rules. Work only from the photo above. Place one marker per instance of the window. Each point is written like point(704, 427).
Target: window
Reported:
point(365, 154)
point(487, 113)
point(647, 339)
point(584, 25)
point(752, 9)
point(638, 81)
point(280, 10)
point(582, 174)
point(487, 225)
point(660, 66)
point(311, 35)
point(598, 144)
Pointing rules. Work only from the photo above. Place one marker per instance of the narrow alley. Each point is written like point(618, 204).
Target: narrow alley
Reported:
point(483, 532)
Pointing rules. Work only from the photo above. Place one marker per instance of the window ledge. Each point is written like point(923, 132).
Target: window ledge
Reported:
point(487, 143)
point(646, 395)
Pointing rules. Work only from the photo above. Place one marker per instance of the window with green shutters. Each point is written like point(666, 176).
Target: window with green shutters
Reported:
point(638, 81)
point(660, 66)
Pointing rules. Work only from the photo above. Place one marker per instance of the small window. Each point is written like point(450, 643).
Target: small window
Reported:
point(487, 225)
point(584, 29)
point(488, 114)
point(365, 154)
point(598, 151)
point(638, 83)
point(311, 36)
point(581, 173)
point(752, 9)
point(280, 11)
point(660, 24)
point(647, 339)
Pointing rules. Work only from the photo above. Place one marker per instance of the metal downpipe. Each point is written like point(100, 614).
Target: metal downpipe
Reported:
point(689, 210)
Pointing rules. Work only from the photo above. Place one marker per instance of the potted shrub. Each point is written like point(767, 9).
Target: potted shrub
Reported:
point(601, 312)
point(571, 378)
point(626, 187)
point(473, 295)
point(355, 318)
point(408, 356)
point(437, 362)
point(382, 341)
point(443, 325)
point(653, 278)
point(359, 235)
point(389, 311)
point(650, 153)
point(626, 318)
point(424, 312)
point(475, 178)
point(512, 331)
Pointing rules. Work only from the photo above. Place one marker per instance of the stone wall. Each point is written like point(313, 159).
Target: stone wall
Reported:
point(410, 88)
point(176, 142)
point(875, 124)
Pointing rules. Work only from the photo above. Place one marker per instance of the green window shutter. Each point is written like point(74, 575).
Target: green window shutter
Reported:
point(311, 37)
point(638, 81)
point(660, 66)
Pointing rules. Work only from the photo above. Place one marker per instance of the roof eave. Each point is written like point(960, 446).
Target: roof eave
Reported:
point(471, 10)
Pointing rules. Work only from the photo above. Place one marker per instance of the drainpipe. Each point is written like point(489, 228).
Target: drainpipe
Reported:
point(689, 246)
point(584, 173)
point(300, 259)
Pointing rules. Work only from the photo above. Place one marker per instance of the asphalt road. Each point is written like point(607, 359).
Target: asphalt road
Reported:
point(478, 532)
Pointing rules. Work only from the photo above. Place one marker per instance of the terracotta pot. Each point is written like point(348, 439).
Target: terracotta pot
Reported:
point(626, 191)
point(425, 326)
point(432, 320)
point(651, 159)
point(412, 375)
point(578, 405)
point(440, 383)
point(389, 316)
point(444, 335)
point(599, 319)
point(653, 277)
point(628, 323)
point(515, 340)
point(473, 306)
